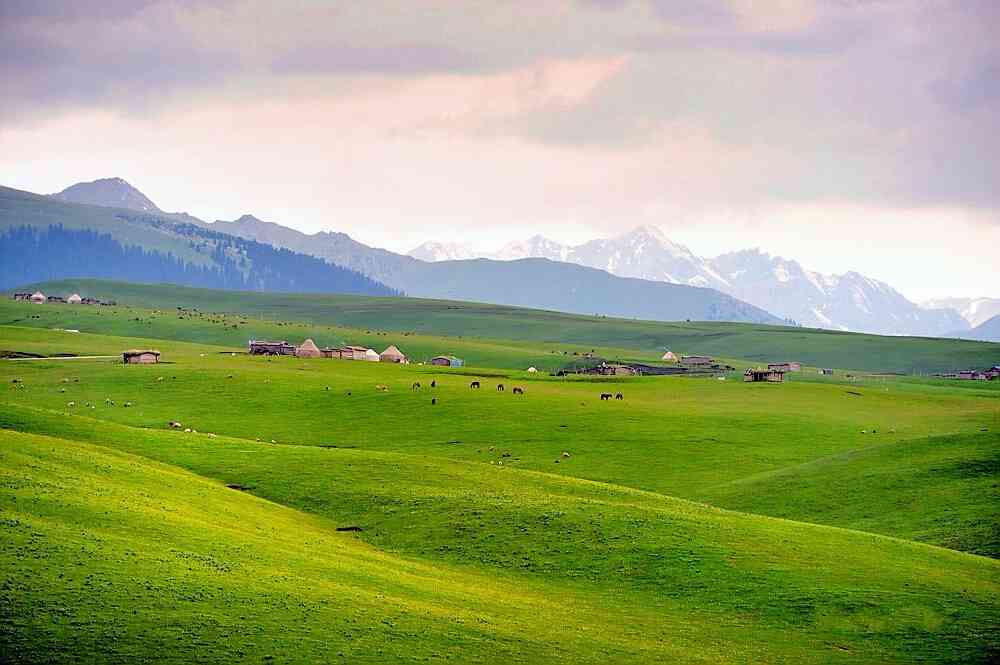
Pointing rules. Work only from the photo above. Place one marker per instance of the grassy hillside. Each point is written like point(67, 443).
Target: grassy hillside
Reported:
point(207, 568)
point(546, 527)
point(543, 331)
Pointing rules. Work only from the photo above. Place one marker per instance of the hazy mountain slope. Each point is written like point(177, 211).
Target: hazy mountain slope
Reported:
point(108, 192)
point(846, 302)
point(988, 331)
point(973, 310)
point(782, 287)
point(442, 251)
point(44, 239)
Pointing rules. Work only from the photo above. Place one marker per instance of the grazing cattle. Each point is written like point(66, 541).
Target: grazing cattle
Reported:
point(605, 396)
point(434, 384)
point(415, 386)
point(619, 396)
point(434, 400)
point(517, 390)
point(499, 387)
point(474, 384)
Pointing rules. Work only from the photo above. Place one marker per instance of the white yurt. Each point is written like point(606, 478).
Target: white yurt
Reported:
point(372, 355)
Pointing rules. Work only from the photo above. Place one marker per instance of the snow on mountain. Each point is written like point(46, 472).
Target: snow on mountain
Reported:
point(441, 251)
point(974, 310)
point(840, 302)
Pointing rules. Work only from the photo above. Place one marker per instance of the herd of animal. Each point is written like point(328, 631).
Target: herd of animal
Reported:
point(476, 385)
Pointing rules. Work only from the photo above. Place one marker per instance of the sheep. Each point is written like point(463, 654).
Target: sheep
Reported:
point(565, 454)
point(175, 425)
point(71, 404)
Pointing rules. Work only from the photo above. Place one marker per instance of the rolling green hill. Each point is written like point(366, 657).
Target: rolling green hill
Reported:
point(693, 521)
point(463, 322)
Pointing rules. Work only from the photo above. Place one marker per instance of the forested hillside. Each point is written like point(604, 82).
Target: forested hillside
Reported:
point(31, 254)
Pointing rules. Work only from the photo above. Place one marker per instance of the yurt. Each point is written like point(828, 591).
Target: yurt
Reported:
point(38, 297)
point(392, 355)
point(74, 299)
point(307, 349)
point(669, 357)
point(371, 355)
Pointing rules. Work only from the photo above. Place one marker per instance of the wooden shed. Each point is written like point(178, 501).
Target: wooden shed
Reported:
point(697, 360)
point(393, 355)
point(140, 357)
point(260, 347)
point(307, 349)
point(769, 375)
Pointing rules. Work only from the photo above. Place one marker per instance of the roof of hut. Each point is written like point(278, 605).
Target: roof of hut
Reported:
point(307, 348)
point(138, 352)
point(393, 352)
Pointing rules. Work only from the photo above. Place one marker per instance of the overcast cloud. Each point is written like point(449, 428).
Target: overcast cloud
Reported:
point(723, 122)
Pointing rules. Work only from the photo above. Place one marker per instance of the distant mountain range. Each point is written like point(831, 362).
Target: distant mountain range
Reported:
point(531, 282)
point(841, 302)
point(974, 310)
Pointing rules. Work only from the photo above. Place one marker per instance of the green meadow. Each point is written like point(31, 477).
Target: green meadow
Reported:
point(823, 520)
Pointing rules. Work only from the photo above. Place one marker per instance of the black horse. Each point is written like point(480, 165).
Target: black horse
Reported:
point(474, 384)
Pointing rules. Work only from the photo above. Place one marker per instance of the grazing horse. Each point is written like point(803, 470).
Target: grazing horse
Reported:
point(434, 384)
point(499, 387)
point(518, 391)
point(434, 400)
point(619, 396)
point(605, 396)
point(415, 386)
point(474, 384)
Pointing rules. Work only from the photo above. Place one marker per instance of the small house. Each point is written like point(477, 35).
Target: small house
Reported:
point(669, 357)
point(22, 296)
point(769, 375)
point(260, 347)
point(786, 366)
point(75, 299)
point(140, 357)
point(350, 352)
point(38, 297)
point(447, 361)
point(393, 355)
point(90, 301)
point(307, 349)
point(55, 299)
point(697, 360)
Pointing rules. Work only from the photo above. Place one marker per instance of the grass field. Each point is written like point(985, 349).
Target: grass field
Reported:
point(821, 520)
point(470, 324)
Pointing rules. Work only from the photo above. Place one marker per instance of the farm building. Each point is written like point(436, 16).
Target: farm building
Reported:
point(90, 301)
point(260, 347)
point(75, 299)
point(447, 361)
point(826, 372)
point(786, 366)
point(140, 357)
point(55, 299)
point(669, 357)
point(307, 349)
point(22, 296)
point(38, 297)
point(697, 360)
point(346, 352)
point(771, 375)
point(393, 355)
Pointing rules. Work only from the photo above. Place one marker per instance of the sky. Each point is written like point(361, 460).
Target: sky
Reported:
point(846, 134)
